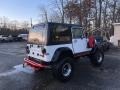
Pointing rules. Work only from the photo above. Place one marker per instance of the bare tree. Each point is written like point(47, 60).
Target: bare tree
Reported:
point(105, 13)
point(100, 12)
point(4, 21)
point(60, 4)
point(43, 14)
point(14, 24)
point(114, 10)
point(118, 14)
point(25, 25)
point(0, 22)
point(72, 11)
point(78, 9)
point(54, 17)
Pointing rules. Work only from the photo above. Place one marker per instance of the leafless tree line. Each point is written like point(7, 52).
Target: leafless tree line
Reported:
point(14, 27)
point(99, 13)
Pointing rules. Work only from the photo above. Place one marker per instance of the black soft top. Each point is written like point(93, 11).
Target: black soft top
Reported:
point(52, 23)
point(64, 24)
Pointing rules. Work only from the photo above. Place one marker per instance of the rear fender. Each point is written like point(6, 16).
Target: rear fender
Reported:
point(61, 52)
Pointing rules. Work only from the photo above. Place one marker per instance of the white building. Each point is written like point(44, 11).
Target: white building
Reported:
point(116, 38)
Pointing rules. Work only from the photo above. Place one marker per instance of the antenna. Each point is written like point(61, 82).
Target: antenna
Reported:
point(31, 22)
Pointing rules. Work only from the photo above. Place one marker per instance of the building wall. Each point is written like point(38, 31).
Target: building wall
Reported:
point(116, 34)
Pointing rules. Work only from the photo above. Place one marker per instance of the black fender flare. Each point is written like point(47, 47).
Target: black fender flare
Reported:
point(59, 52)
point(97, 47)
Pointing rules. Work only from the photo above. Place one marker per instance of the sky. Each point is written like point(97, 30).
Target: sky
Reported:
point(22, 10)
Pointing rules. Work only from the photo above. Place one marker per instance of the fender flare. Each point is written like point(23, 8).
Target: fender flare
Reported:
point(59, 51)
point(96, 48)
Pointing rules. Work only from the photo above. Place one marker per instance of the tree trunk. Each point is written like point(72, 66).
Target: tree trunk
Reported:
point(100, 13)
point(114, 9)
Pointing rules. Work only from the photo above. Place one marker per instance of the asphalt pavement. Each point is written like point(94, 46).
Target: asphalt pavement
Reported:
point(14, 77)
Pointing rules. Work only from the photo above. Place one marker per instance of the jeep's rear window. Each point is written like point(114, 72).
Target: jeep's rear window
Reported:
point(60, 34)
point(38, 35)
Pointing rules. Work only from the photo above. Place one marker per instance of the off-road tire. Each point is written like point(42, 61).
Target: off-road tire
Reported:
point(59, 69)
point(97, 58)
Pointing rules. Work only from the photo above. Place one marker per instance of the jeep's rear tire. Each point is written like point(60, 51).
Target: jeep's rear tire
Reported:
point(63, 70)
point(97, 58)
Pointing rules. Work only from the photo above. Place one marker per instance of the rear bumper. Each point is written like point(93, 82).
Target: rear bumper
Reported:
point(34, 64)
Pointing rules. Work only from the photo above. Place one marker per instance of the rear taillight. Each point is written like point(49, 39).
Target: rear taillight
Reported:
point(27, 50)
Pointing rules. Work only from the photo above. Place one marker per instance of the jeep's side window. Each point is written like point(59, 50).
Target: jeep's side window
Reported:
point(61, 34)
point(77, 32)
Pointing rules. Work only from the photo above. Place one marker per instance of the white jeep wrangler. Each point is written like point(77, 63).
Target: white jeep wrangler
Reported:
point(56, 46)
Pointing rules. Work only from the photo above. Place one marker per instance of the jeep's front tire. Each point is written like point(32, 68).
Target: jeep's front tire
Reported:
point(97, 58)
point(63, 70)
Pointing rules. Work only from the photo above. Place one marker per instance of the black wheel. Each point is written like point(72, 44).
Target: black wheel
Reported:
point(97, 58)
point(64, 69)
point(108, 47)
